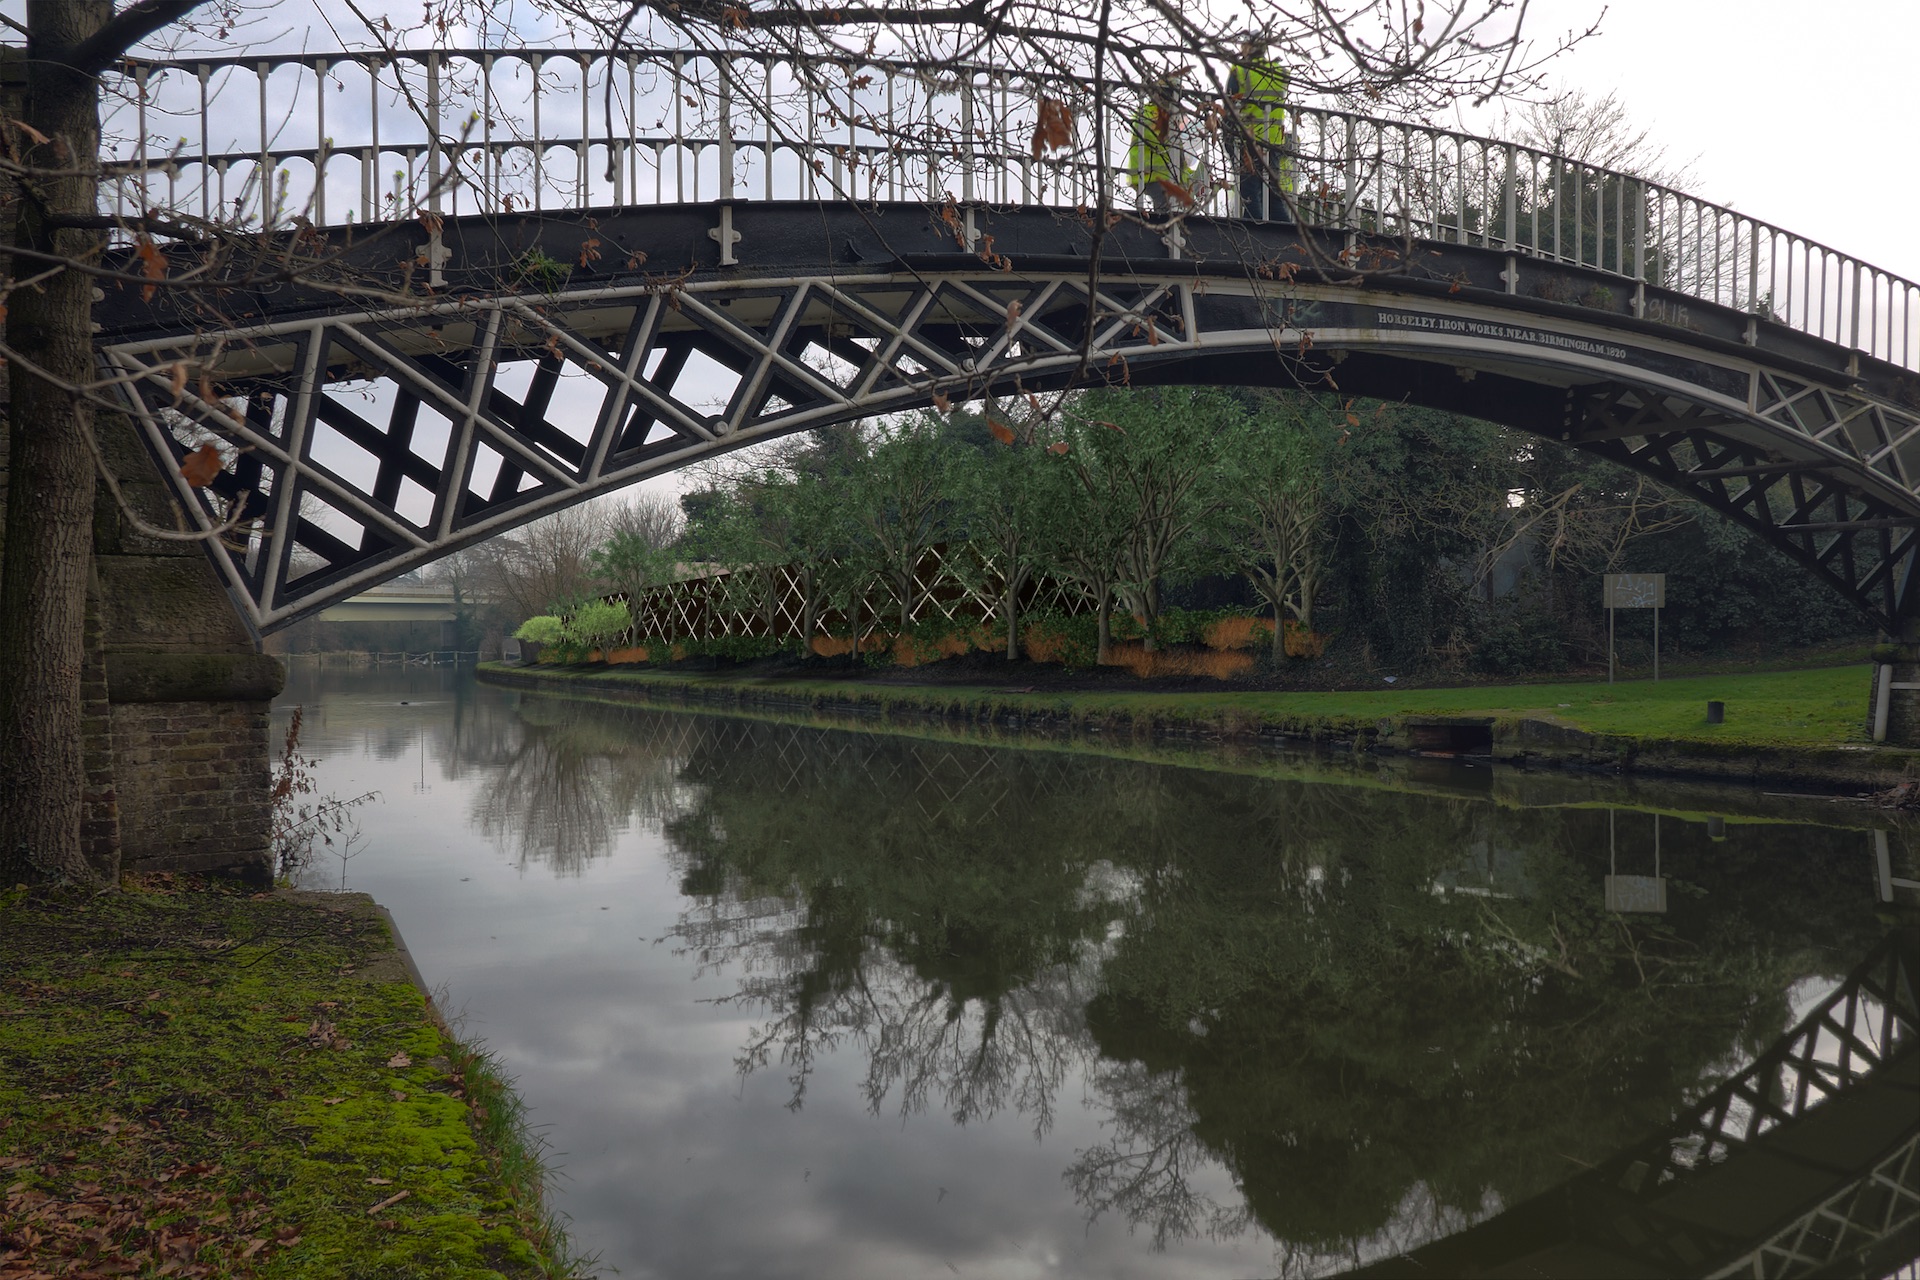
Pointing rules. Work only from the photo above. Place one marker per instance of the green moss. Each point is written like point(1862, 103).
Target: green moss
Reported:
point(233, 1082)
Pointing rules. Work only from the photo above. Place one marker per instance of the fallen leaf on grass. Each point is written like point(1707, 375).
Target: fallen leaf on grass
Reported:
point(323, 1035)
point(254, 1246)
point(379, 1182)
point(400, 1060)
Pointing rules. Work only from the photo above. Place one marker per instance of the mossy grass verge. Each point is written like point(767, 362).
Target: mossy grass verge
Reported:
point(1808, 708)
point(197, 1080)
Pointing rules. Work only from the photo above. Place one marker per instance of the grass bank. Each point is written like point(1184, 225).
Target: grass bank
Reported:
point(196, 1080)
point(1803, 725)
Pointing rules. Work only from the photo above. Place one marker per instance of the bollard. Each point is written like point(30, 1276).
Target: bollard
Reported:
point(1716, 828)
point(1716, 713)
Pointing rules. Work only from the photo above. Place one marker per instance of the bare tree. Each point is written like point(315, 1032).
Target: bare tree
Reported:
point(545, 564)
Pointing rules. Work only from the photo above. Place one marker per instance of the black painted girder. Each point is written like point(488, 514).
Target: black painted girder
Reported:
point(1805, 443)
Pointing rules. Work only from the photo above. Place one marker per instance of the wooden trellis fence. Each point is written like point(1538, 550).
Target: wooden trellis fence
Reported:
point(956, 585)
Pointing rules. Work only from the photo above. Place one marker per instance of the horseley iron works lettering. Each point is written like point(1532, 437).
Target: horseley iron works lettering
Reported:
point(1498, 332)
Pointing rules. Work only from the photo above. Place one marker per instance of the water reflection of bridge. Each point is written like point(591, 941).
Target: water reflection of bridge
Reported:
point(951, 906)
point(1805, 1163)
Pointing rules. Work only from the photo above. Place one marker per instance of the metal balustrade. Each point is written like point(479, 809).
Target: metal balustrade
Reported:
point(260, 142)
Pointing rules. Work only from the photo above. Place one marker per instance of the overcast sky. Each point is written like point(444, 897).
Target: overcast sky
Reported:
point(1795, 113)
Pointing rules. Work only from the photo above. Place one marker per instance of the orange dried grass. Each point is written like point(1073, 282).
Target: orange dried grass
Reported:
point(1213, 663)
point(1302, 643)
point(835, 646)
point(1238, 633)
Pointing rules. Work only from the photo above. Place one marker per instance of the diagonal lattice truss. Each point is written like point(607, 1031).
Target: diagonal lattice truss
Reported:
point(1859, 538)
point(1864, 1034)
point(1852, 1221)
point(355, 447)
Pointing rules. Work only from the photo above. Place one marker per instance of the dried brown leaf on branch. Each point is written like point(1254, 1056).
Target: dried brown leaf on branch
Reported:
point(201, 466)
point(153, 264)
point(1053, 131)
point(1000, 431)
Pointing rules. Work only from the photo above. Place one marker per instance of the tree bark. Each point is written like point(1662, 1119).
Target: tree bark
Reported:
point(49, 539)
point(1016, 579)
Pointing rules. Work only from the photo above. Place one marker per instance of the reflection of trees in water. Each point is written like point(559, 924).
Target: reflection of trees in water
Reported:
point(1382, 1014)
point(1356, 1018)
point(463, 729)
point(903, 896)
point(1342, 1053)
point(573, 783)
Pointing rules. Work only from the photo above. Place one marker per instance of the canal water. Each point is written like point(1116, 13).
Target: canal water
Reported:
point(798, 1001)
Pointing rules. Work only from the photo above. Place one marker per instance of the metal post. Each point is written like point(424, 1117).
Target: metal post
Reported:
point(1609, 646)
point(966, 138)
point(266, 161)
point(1656, 644)
point(140, 80)
point(206, 149)
point(323, 144)
point(1859, 276)
point(433, 130)
point(370, 174)
point(1882, 700)
point(489, 171)
point(539, 139)
point(1559, 207)
point(726, 128)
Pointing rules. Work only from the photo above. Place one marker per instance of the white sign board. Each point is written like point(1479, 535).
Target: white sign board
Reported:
point(1641, 895)
point(1636, 591)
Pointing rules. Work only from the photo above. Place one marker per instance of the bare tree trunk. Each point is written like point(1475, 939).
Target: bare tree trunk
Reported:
point(1106, 628)
point(1279, 631)
point(1016, 579)
point(49, 539)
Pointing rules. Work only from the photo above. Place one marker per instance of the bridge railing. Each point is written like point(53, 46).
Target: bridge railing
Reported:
point(360, 137)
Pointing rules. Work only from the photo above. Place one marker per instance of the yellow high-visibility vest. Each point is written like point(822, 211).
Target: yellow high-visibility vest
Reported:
point(1148, 160)
point(1262, 90)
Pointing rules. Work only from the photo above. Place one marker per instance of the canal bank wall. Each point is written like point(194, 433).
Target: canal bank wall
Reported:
point(1527, 741)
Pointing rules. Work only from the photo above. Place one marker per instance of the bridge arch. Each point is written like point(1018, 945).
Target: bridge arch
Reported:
point(567, 280)
point(829, 314)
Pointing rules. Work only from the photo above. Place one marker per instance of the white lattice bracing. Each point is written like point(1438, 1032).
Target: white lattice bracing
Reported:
point(488, 412)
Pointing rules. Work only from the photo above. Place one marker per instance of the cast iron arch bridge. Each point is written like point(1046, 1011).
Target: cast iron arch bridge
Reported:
point(616, 264)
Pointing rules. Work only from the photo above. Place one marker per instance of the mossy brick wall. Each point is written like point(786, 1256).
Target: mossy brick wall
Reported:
point(193, 778)
point(100, 819)
point(176, 696)
point(188, 692)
